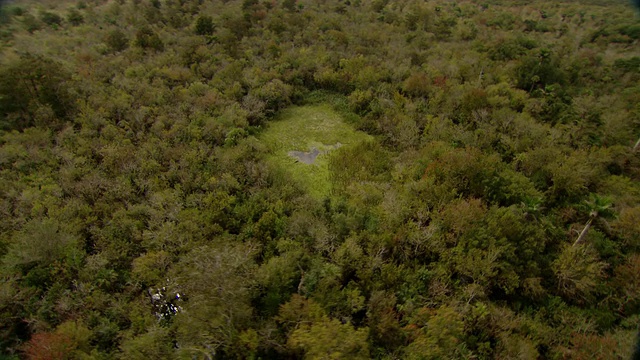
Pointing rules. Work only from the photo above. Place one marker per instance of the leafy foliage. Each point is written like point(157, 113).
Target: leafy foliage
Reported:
point(117, 40)
point(204, 25)
point(146, 38)
point(34, 90)
point(474, 190)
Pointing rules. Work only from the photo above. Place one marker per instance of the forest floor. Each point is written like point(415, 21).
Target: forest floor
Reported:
point(301, 139)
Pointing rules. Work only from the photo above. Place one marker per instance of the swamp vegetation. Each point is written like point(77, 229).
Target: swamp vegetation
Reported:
point(474, 191)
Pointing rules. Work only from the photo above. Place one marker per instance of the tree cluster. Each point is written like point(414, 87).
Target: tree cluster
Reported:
point(495, 213)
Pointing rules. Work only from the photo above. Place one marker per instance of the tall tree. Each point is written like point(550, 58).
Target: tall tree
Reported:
point(30, 86)
point(599, 208)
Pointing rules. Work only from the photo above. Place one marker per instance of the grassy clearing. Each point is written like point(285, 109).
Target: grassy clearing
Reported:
point(302, 129)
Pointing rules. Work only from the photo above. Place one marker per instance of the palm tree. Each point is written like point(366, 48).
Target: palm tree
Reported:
point(532, 207)
point(599, 208)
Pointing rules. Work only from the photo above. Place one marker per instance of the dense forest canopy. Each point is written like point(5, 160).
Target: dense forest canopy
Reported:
point(472, 188)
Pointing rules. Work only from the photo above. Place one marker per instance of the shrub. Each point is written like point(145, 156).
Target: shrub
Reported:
point(539, 71)
point(117, 40)
point(205, 25)
point(74, 17)
point(30, 23)
point(628, 65)
point(50, 18)
point(146, 38)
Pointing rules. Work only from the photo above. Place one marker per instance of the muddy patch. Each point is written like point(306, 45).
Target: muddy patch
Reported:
point(310, 156)
point(305, 157)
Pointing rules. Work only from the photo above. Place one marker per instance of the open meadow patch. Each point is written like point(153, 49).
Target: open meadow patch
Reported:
point(301, 140)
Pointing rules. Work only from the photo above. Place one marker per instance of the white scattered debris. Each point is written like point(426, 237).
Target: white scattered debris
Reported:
point(165, 305)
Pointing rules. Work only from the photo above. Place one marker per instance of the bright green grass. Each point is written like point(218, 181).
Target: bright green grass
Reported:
point(301, 129)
